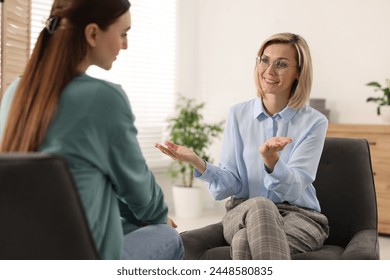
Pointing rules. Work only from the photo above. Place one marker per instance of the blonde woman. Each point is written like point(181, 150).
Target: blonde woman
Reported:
point(270, 154)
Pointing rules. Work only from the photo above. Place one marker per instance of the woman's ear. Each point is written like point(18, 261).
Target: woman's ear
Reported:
point(90, 32)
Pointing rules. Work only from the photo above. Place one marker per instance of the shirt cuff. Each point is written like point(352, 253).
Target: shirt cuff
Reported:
point(267, 169)
point(209, 173)
point(280, 171)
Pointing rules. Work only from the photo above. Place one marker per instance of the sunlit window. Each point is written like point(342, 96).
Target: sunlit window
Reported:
point(146, 70)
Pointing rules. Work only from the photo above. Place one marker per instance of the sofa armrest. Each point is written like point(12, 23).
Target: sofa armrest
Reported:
point(196, 242)
point(364, 245)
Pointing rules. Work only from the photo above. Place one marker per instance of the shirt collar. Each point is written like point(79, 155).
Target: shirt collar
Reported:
point(259, 113)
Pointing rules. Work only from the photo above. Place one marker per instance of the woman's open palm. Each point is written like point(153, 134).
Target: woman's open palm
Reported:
point(274, 145)
point(177, 152)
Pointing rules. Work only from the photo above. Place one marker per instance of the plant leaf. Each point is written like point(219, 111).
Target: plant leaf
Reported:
point(187, 129)
point(374, 84)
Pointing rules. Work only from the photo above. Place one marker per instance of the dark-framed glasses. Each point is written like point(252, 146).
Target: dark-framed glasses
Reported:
point(280, 66)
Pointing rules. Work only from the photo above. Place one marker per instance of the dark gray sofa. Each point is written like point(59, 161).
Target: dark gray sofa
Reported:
point(346, 191)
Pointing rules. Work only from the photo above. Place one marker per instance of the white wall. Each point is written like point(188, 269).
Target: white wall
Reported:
point(349, 41)
point(219, 39)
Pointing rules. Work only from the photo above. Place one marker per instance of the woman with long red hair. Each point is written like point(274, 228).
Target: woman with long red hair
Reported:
point(56, 108)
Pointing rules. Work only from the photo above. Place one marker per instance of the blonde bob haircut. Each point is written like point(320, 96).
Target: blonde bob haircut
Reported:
point(300, 90)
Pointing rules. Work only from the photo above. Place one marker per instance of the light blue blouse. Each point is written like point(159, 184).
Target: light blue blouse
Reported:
point(241, 171)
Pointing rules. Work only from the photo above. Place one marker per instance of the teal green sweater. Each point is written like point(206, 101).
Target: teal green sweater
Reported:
point(94, 130)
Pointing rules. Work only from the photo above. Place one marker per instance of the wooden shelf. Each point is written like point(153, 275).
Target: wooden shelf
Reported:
point(378, 136)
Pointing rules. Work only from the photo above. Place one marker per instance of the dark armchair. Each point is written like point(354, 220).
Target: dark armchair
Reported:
point(346, 191)
point(41, 215)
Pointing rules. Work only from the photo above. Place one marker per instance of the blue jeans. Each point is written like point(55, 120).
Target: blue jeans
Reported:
point(153, 242)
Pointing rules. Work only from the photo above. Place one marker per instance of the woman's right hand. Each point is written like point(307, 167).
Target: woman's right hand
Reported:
point(176, 152)
point(182, 153)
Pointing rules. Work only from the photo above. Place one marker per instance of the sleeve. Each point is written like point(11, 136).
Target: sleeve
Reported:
point(294, 172)
point(140, 195)
point(136, 185)
point(224, 180)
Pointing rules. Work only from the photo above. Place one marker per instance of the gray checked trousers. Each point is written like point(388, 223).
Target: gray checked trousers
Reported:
point(258, 229)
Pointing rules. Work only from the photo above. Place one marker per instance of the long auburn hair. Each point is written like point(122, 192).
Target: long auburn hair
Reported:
point(53, 64)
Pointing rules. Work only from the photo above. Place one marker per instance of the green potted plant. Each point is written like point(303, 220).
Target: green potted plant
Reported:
point(384, 99)
point(187, 128)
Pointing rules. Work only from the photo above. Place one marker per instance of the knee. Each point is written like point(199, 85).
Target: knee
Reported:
point(261, 206)
point(260, 203)
point(173, 248)
point(153, 242)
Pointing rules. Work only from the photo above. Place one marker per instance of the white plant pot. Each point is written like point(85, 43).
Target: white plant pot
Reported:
point(187, 202)
point(385, 113)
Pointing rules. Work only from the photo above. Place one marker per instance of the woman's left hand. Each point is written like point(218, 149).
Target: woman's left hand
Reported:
point(171, 223)
point(274, 145)
point(269, 150)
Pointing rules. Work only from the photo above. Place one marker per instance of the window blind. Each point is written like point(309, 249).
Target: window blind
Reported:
point(15, 35)
point(40, 10)
point(146, 70)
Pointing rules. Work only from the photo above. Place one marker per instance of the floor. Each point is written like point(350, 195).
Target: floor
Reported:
point(213, 215)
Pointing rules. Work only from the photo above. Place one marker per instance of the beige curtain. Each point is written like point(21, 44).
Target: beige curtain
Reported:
point(15, 39)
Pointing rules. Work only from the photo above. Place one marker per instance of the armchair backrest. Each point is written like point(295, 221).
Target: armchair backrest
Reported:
point(345, 188)
point(41, 215)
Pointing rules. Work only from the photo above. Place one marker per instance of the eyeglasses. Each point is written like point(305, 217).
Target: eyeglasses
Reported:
point(280, 66)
